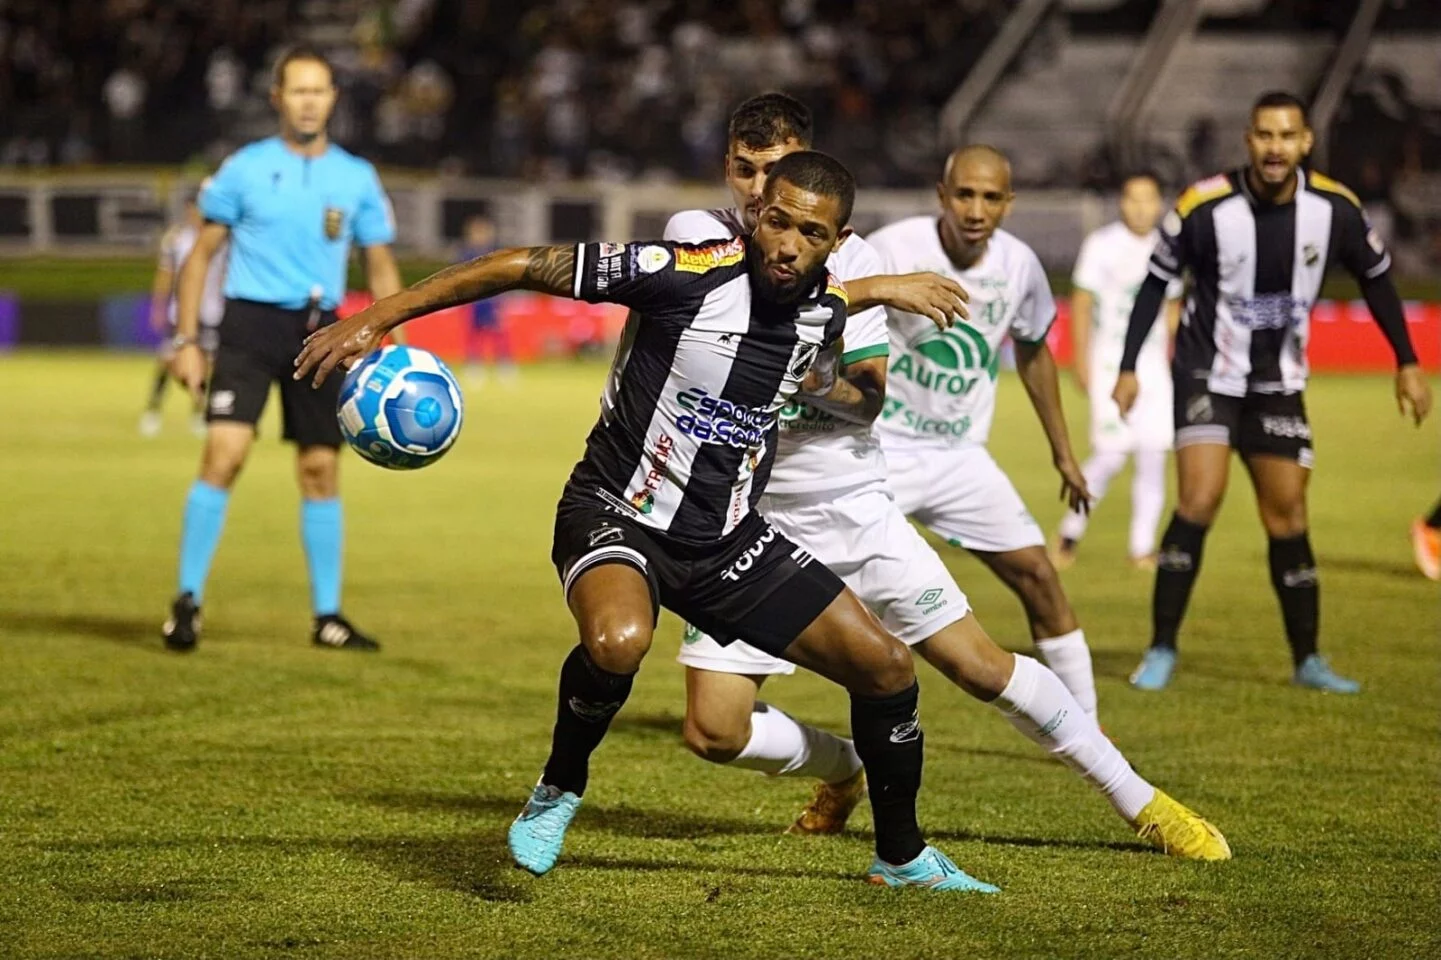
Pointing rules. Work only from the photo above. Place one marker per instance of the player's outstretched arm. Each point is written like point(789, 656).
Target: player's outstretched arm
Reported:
point(931, 295)
point(541, 269)
point(854, 392)
point(1037, 368)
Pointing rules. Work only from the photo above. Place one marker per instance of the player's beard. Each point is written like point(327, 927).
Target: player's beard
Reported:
point(767, 289)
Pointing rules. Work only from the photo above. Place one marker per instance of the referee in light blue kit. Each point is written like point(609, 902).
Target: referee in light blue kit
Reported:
point(291, 206)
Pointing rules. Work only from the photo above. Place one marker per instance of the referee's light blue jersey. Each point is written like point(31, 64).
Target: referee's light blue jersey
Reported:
point(292, 220)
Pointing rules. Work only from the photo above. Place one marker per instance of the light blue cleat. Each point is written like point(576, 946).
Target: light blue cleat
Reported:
point(932, 869)
point(537, 834)
point(1315, 673)
point(1155, 669)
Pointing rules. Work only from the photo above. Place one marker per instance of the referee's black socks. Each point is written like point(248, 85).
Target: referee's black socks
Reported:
point(1293, 574)
point(589, 698)
point(888, 738)
point(1177, 564)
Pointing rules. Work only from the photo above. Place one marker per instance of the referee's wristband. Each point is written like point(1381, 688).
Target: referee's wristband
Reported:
point(178, 341)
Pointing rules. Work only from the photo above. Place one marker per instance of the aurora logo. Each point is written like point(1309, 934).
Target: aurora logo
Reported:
point(961, 347)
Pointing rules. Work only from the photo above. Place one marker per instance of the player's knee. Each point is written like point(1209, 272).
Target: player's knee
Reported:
point(1199, 507)
point(220, 467)
point(886, 667)
point(618, 646)
point(319, 475)
point(1283, 521)
point(716, 739)
point(1036, 580)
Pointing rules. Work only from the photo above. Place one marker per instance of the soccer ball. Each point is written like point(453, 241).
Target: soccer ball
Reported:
point(400, 408)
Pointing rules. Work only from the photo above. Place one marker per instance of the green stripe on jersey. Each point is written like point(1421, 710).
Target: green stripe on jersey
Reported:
point(865, 353)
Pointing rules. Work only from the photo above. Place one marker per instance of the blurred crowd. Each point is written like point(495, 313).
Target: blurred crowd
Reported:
point(553, 89)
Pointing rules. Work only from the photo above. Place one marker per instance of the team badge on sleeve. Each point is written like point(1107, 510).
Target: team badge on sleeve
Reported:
point(651, 259)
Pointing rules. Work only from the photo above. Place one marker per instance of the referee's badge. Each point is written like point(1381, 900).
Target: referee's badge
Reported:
point(334, 219)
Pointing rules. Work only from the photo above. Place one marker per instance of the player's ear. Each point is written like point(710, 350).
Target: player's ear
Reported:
point(843, 235)
point(1308, 140)
point(941, 192)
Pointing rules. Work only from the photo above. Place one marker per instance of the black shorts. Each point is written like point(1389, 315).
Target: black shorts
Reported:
point(1268, 424)
point(754, 584)
point(258, 346)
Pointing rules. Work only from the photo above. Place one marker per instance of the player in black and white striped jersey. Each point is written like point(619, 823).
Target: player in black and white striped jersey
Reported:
point(1257, 243)
point(660, 510)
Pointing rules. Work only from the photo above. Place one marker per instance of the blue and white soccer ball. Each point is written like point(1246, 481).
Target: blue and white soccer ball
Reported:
point(400, 408)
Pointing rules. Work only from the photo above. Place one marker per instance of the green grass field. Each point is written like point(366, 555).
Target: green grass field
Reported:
point(264, 799)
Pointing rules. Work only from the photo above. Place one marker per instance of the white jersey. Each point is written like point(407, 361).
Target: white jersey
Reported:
point(175, 247)
point(941, 388)
point(1111, 265)
point(816, 452)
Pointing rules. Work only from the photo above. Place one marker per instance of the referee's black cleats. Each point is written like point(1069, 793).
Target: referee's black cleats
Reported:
point(335, 631)
point(182, 630)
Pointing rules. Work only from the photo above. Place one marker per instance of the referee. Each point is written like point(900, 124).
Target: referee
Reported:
point(290, 205)
point(1257, 242)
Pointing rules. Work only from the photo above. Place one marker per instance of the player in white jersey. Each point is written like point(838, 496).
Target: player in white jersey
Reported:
point(1109, 270)
point(827, 492)
point(175, 246)
point(942, 395)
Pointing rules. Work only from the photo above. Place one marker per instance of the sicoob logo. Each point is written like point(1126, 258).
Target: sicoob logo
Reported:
point(713, 420)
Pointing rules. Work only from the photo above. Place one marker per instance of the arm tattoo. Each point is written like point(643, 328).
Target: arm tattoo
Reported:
point(550, 270)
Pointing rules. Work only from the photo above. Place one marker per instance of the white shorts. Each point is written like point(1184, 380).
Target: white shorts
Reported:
point(867, 542)
point(1150, 427)
point(963, 496)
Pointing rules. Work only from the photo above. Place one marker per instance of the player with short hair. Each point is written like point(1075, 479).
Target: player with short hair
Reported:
point(828, 493)
point(1108, 272)
point(1257, 243)
point(175, 245)
point(290, 206)
point(660, 511)
point(942, 394)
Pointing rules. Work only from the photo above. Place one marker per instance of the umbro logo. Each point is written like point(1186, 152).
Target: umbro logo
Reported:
point(908, 731)
point(333, 634)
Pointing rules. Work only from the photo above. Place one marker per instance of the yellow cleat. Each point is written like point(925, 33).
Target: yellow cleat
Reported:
point(831, 807)
point(1180, 831)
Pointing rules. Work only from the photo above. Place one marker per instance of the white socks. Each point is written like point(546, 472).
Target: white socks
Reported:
point(1070, 658)
point(1037, 704)
point(1099, 471)
point(1148, 500)
point(781, 747)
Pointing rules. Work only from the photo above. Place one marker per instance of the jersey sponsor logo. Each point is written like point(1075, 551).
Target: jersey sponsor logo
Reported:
point(961, 347)
point(896, 410)
point(651, 259)
point(713, 420)
point(748, 559)
point(936, 381)
point(706, 259)
point(801, 417)
point(1268, 311)
point(644, 498)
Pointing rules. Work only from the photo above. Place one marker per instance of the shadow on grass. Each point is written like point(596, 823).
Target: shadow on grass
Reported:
point(127, 631)
point(647, 726)
point(476, 865)
point(1404, 569)
point(621, 821)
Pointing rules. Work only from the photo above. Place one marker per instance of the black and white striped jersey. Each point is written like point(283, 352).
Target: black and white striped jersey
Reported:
point(687, 431)
point(1256, 270)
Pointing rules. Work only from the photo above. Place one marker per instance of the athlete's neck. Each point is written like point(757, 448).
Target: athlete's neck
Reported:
point(1280, 193)
point(962, 255)
point(306, 146)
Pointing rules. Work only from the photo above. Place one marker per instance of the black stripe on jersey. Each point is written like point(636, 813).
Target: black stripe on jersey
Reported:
point(1275, 263)
point(755, 376)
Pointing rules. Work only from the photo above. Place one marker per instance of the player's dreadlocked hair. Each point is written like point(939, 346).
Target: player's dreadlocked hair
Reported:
point(770, 119)
point(818, 173)
point(1280, 98)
